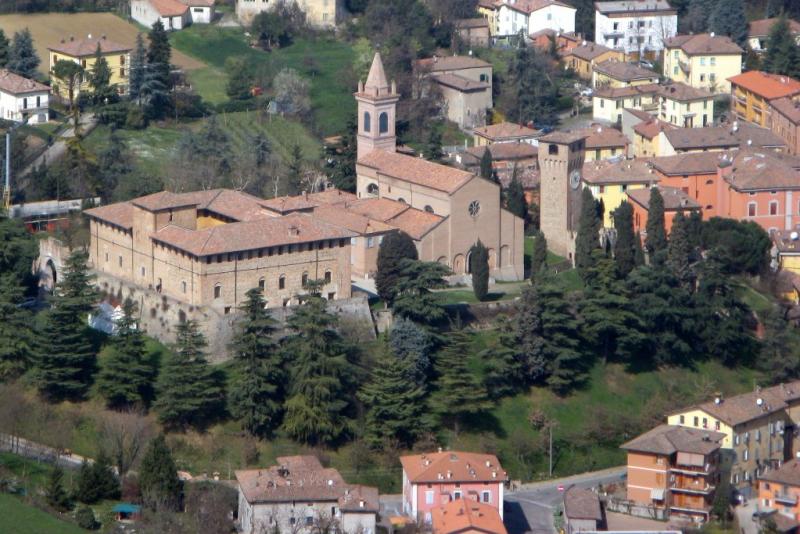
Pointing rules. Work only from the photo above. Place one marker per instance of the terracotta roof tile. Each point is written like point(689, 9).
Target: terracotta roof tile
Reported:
point(355, 222)
point(751, 170)
point(416, 223)
point(505, 151)
point(629, 171)
point(788, 473)
point(681, 92)
point(650, 129)
point(633, 8)
point(768, 86)
point(788, 108)
point(691, 163)
point(87, 47)
point(624, 71)
point(529, 6)
point(589, 51)
point(169, 8)
point(669, 439)
point(761, 28)
point(631, 90)
point(506, 130)
point(380, 209)
point(704, 43)
point(746, 407)
point(479, 22)
point(446, 63)
point(580, 503)
point(452, 466)
point(604, 137)
point(460, 83)
point(16, 84)
point(119, 214)
point(722, 137)
point(564, 137)
point(674, 199)
point(465, 515)
point(416, 170)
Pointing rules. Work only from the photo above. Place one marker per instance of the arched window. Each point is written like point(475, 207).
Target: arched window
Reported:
point(305, 279)
point(183, 286)
point(372, 189)
point(429, 209)
point(217, 291)
point(328, 277)
point(282, 282)
point(367, 122)
point(261, 284)
point(401, 199)
point(383, 122)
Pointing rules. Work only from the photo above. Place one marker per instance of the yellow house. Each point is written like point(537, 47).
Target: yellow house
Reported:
point(615, 73)
point(752, 91)
point(609, 102)
point(703, 61)
point(83, 52)
point(582, 59)
point(646, 137)
point(603, 142)
point(786, 250)
point(488, 10)
point(610, 180)
point(685, 106)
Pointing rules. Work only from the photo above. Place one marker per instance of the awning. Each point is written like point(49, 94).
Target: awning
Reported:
point(657, 494)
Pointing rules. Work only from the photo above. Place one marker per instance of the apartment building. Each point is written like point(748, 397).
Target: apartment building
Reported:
point(610, 181)
point(84, 52)
point(779, 495)
point(753, 91)
point(675, 103)
point(756, 428)
point(23, 99)
point(674, 469)
point(603, 142)
point(582, 59)
point(637, 27)
point(319, 13)
point(645, 132)
point(530, 16)
point(695, 173)
point(465, 516)
point(703, 61)
point(785, 122)
point(681, 140)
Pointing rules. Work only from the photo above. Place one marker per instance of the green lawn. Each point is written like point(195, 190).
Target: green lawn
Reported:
point(324, 61)
point(757, 301)
point(20, 518)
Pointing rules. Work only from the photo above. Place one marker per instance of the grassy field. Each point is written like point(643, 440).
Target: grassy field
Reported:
point(21, 518)
point(325, 62)
point(49, 28)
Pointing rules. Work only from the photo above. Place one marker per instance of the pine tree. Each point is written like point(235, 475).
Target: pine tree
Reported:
point(779, 356)
point(503, 373)
point(64, 355)
point(414, 299)
point(188, 391)
point(413, 345)
point(137, 70)
point(395, 405)
point(115, 164)
point(100, 79)
point(515, 199)
point(22, 57)
point(568, 365)
point(782, 55)
point(433, 146)
point(479, 268)
point(319, 394)
point(294, 171)
point(394, 248)
point(96, 481)
point(15, 332)
point(656, 240)
point(341, 166)
point(5, 50)
point(679, 251)
point(625, 245)
point(125, 375)
point(588, 237)
point(609, 321)
point(539, 256)
point(728, 18)
point(85, 519)
point(529, 343)
point(486, 165)
point(257, 393)
point(158, 477)
point(458, 393)
point(156, 83)
point(55, 493)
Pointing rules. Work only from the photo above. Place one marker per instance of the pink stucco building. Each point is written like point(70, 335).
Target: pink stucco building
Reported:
point(432, 480)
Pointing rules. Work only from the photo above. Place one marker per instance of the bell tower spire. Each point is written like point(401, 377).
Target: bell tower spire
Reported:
point(377, 108)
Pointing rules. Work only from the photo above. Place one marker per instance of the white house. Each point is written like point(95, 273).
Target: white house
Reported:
point(173, 14)
point(22, 98)
point(637, 27)
point(319, 13)
point(531, 16)
point(299, 495)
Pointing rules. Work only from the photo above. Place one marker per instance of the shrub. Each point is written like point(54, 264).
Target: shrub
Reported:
point(85, 518)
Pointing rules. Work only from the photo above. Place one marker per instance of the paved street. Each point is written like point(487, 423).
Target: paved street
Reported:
point(530, 509)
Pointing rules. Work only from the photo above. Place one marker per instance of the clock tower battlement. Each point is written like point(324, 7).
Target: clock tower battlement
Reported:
point(561, 156)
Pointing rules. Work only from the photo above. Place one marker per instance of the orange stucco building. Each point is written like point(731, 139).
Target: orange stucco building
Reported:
point(779, 491)
point(695, 174)
point(675, 200)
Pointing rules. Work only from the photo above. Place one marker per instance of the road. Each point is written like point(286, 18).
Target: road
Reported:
point(36, 451)
point(58, 148)
point(530, 509)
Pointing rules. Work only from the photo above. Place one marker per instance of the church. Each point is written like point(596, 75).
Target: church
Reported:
point(465, 207)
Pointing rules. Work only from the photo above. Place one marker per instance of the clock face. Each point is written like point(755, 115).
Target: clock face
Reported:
point(575, 179)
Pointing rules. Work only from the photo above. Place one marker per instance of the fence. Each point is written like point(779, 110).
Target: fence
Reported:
point(636, 509)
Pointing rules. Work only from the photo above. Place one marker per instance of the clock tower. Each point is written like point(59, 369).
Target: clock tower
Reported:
point(561, 156)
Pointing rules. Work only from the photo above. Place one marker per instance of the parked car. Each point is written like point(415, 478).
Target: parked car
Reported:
point(646, 64)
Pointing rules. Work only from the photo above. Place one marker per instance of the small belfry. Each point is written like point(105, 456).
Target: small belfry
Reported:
point(377, 109)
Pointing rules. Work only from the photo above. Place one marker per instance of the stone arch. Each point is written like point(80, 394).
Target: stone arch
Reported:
point(383, 122)
point(367, 121)
point(467, 262)
point(492, 258)
point(49, 275)
point(442, 260)
point(458, 264)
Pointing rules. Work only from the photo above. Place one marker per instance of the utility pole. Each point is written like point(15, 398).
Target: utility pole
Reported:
point(550, 428)
point(7, 186)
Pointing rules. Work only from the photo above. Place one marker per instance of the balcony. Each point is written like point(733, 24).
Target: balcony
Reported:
point(690, 509)
point(693, 470)
point(785, 499)
point(691, 489)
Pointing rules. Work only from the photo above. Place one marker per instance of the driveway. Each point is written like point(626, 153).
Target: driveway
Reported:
point(59, 146)
point(744, 516)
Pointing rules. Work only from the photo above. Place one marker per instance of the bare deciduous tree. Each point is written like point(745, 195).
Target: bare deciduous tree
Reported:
point(123, 436)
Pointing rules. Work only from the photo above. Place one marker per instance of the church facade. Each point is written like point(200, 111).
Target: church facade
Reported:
point(470, 207)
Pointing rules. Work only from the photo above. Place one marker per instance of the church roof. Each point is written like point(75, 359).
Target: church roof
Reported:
point(416, 170)
point(377, 76)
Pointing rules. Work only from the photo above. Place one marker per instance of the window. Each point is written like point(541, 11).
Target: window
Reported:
point(309, 520)
point(484, 78)
point(456, 495)
point(616, 26)
point(122, 72)
point(261, 284)
point(702, 77)
point(429, 497)
point(474, 208)
point(696, 421)
point(751, 209)
point(304, 279)
point(712, 77)
point(486, 496)
point(712, 61)
point(429, 209)
point(736, 439)
point(120, 261)
point(331, 295)
point(746, 455)
point(370, 242)
point(675, 70)
point(372, 189)
point(602, 105)
point(682, 419)
point(292, 520)
point(552, 149)
point(675, 54)
point(702, 62)
point(183, 286)
point(773, 208)
point(144, 271)
point(227, 310)
point(327, 277)
point(106, 257)
point(367, 122)
point(217, 291)
point(24, 103)
point(383, 122)
point(705, 422)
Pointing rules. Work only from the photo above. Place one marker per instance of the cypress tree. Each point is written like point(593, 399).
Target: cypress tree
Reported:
point(395, 405)
point(4, 50)
point(528, 336)
point(728, 18)
point(694, 230)
point(189, 392)
point(158, 476)
point(486, 165)
point(64, 354)
point(108, 485)
point(55, 493)
point(458, 393)
point(125, 375)
point(479, 268)
point(137, 70)
point(433, 147)
point(294, 171)
point(100, 79)
point(679, 251)
point(319, 388)
point(625, 246)
point(257, 394)
point(515, 199)
point(539, 256)
point(588, 237)
point(22, 57)
point(656, 240)
point(156, 82)
point(638, 253)
point(394, 248)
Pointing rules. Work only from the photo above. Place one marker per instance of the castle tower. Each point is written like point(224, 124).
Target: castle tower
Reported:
point(377, 104)
point(561, 156)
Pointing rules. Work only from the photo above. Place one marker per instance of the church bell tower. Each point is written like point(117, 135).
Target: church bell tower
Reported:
point(377, 105)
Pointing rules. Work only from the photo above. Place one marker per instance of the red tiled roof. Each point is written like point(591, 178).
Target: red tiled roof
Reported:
point(355, 222)
point(589, 51)
point(452, 466)
point(88, 47)
point(669, 439)
point(529, 6)
point(761, 28)
point(505, 130)
point(631, 90)
point(505, 151)
point(416, 223)
point(722, 137)
point(604, 137)
point(624, 71)
point(788, 108)
point(16, 84)
point(651, 128)
point(630, 171)
point(460, 83)
point(691, 163)
point(416, 170)
point(169, 8)
point(788, 473)
point(746, 407)
point(581, 503)
point(681, 92)
point(674, 199)
point(444, 63)
point(768, 86)
point(119, 214)
point(703, 43)
point(478, 22)
point(761, 170)
point(464, 515)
